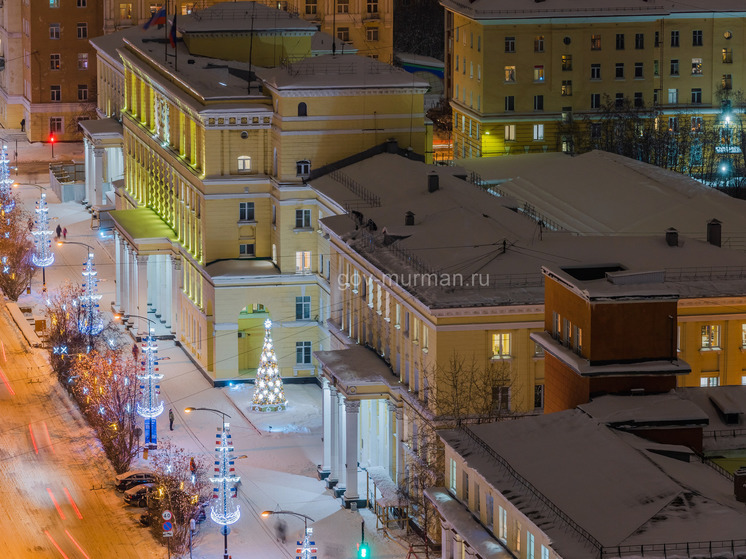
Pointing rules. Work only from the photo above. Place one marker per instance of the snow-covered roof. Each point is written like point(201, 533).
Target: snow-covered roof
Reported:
point(471, 248)
point(583, 467)
point(242, 17)
point(555, 9)
point(357, 365)
point(102, 127)
point(648, 410)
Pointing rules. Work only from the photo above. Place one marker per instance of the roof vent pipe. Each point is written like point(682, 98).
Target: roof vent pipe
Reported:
point(714, 232)
point(672, 237)
point(433, 182)
point(409, 218)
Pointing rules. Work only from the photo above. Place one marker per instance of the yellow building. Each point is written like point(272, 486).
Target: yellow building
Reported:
point(518, 73)
point(216, 229)
point(49, 80)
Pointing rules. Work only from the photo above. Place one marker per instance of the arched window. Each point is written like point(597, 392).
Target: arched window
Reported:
point(244, 163)
point(302, 109)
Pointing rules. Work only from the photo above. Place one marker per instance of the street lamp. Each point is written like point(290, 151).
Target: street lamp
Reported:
point(149, 407)
point(43, 255)
point(306, 550)
point(225, 512)
point(91, 322)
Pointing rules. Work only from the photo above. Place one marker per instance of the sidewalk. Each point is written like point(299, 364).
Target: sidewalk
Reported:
point(282, 448)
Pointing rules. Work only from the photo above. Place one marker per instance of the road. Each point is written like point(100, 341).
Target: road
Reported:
point(55, 483)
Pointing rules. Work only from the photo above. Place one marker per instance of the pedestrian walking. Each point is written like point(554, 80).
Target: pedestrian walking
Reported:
point(58, 230)
point(281, 529)
point(64, 233)
point(171, 418)
point(135, 351)
point(23, 125)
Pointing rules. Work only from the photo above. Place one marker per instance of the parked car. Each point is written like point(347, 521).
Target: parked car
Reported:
point(138, 495)
point(134, 477)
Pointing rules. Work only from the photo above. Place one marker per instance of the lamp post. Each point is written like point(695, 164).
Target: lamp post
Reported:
point(149, 407)
point(306, 550)
point(43, 255)
point(91, 323)
point(224, 512)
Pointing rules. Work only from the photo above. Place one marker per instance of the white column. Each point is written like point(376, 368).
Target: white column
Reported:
point(98, 176)
point(141, 263)
point(399, 446)
point(333, 436)
point(374, 448)
point(118, 272)
point(326, 422)
point(126, 283)
point(446, 538)
point(352, 409)
point(152, 274)
point(87, 151)
point(175, 291)
point(341, 472)
point(167, 280)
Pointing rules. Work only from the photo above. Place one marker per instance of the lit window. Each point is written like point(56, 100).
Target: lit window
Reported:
point(697, 122)
point(303, 353)
point(501, 345)
point(538, 131)
point(54, 61)
point(544, 552)
point(727, 56)
point(303, 262)
point(673, 96)
point(82, 61)
point(566, 90)
point(727, 81)
point(303, 307)
point(54, 3)
point(246, 211)
point(707, 382)
point(743, 335)
point(510, 132)
point(302, 219)
point(595, 42)
point(566, 62)
point(529, 545)
point(539, 43)
point(244, 163)
point(452, 477)
point(502, 523)
point(711, 336)
point(125, 11)
point(673, 124)
point(510, 74)
point(538, 73)
point(697, 66)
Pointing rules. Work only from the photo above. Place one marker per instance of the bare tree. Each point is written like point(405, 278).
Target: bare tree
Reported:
point(16, 249)
point(64, 339)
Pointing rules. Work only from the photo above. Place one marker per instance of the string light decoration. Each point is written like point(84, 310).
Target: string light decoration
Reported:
point(43, 255)
point(6, 195)
point(225, 511)
point(150, 406)
point(90, 321)
point(269, 394)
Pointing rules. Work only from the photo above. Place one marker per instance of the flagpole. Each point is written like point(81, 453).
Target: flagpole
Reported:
point(176, 44)
point(165, 36)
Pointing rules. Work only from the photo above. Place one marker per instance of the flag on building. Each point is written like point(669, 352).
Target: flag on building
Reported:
point(158, 18)
point(172, 34)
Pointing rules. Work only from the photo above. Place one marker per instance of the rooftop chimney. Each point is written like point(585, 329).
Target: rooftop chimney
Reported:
point(409, 218)
point(714, 230)
point(433, 182)
point(672, 237)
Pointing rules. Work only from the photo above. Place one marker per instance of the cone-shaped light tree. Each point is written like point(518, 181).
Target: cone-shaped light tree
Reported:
point(90, 322)
point(6, 197)
point(269, 394)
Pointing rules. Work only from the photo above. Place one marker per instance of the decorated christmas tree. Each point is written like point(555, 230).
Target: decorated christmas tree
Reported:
point(6, 196)
point(268, 392)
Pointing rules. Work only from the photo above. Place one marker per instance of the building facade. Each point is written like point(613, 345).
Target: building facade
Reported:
point(518, 74)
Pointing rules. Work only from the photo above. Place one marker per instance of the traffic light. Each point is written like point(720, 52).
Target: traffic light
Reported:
point(52, 139)
point(363, 551)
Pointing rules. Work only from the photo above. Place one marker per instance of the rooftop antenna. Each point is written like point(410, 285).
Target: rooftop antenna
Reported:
point(251, 42)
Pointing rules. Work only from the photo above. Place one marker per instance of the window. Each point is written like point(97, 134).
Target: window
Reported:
point(54, 3)
point(477, 499)
point(55, 92)
point(510, 132)
point(246, 249)
point(244, 164)
point(595, 42)
point(246, 211)
point(674, 38)
point(595, 71)
point(639, 41)
point(697, 38)
point(595, 130)
point(566, 62)
point(711, 337)
point(489, 504)
point(538, 396)
point(509, 103)
point(509, 44)
point(303, 307)
point(55, 124)
point(657, 41)
point(727, 81)
point(501, 343)
point(452, 477)
point(303, 353)
point(743, 336)
point(538, 102)
point(371, 34)
point(82, 92)
point(539, 43)
point(727, 56)
point(54, 30)
point(471, 71)
point(674, 67)
point(656, 68)
point(619, 70)
point(501, 398)
point(697, 122)
point(82, 30)
point(302, 168)
point(707, 382)
point(673, 124)
point(620, 41)
point(510, 74)
point(456, 68)
point(186, 9)
point(502, 523)
point(372, 6)
point(639, 103)
point(465, 487)
point(529, 545)
point(343, 6)
point(696, 66)
point(302, 109)
point(82, 3)
point(343, 33)
point(311, 6)
point(538, 73)
point(538, 132)
point(696, 96)
point(479, 43)
point(544, 552)
point(302, 219)
point(566, 90)
point(619, 100)
point(125, 11)
point(54, 61)
point(595, 100)
point(303, 262)
point(638, 70)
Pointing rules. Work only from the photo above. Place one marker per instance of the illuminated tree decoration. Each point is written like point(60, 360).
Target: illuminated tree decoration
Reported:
point(224, 511)
point(268, 392)
point(43, 255)
point(6, 196)
point(149, 405)
point(90, 321)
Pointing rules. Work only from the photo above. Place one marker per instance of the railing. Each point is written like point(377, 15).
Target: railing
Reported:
point(665, 548)
point(534, 491)
point(724, 433)
point(565, 11)
point(705, 273)
point(719, 469)
point(356, 188)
